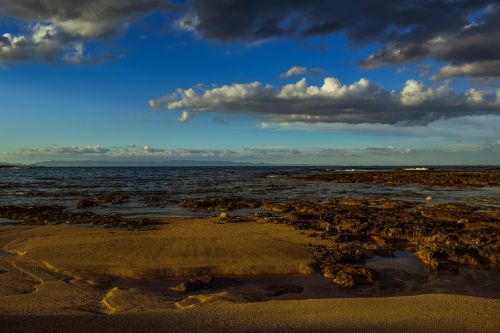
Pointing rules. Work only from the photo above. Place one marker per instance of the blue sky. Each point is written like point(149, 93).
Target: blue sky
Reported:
point(97, 104)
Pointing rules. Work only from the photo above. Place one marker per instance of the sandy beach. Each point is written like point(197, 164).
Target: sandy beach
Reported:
point(79, 278)
point(249, 166)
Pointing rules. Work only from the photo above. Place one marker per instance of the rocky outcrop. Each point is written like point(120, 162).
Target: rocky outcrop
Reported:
point(219, 203)
point(154, 200)
point(443, 237)
point(470, 178)
point(55, 214)
point(102, 199)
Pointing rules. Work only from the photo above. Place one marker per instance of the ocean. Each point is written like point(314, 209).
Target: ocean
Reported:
point(65, 186)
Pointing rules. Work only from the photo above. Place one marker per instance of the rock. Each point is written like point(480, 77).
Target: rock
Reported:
point(154, 200)
point(338, 254)
point(194, 284)
point(433, 259)
point(350, 276)
point(86, 203)
point(110, 198)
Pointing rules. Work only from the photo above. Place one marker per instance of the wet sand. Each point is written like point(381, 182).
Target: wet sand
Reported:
point(178, 248)
point(80, 278)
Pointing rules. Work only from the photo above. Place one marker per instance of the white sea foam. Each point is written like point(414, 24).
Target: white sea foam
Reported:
point(416, 169)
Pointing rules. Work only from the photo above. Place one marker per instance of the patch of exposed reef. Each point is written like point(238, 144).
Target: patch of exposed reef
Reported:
point(444, 237)
point(117, 198)
point(55, 214)
point(431, 177)
point(219, 203)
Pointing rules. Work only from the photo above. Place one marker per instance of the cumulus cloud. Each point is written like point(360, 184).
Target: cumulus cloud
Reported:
point(58, 28)
point(66, 150)
point(334, 102)
point(459, 32)
point(299, 70)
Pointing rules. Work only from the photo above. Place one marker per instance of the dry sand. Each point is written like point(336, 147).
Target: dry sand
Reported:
point(64, 278)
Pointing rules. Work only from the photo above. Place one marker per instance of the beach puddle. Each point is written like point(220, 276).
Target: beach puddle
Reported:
point(403, 274)
point(3, 220)
point(6, 254)
point(403, 261)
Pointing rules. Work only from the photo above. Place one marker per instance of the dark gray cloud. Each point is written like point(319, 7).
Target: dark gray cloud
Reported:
point(84, 18)
point(333, 102)
point(459, 32)
point(481, 70)
point(58, 29)
point(474, 44)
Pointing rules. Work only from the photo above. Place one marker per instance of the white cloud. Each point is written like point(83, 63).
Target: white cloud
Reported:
point(332, 102)
point(475, 96)
point(299, 70)
point(184, 117)
point(414, 93)
point(187, 23)
point(75, 56)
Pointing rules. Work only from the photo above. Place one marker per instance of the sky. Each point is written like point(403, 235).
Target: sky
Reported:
point(409, 82)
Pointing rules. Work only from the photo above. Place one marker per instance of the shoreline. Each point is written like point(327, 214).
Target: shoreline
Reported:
point(76, 278)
